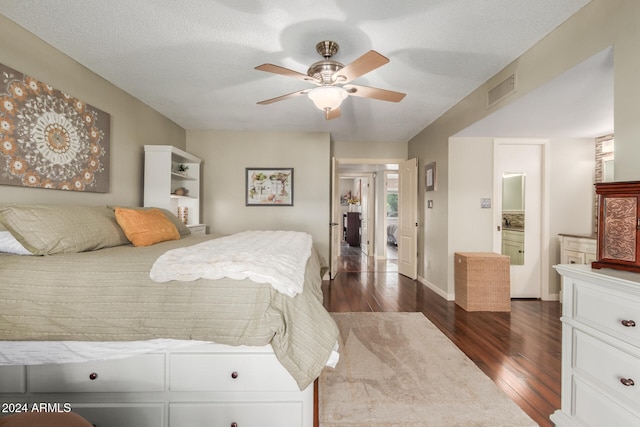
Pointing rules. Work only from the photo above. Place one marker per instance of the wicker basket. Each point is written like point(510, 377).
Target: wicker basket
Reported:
point(482, 281)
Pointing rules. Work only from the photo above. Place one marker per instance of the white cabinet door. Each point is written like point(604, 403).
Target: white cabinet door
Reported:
point(134, 374)
point(12, 379)
point(116, 415)
point(249, 414)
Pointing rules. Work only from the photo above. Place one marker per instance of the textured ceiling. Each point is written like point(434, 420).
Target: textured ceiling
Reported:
point(193, 60)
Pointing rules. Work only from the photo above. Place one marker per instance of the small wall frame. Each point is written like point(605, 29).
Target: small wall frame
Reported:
point(269, 187)
point(430, 177)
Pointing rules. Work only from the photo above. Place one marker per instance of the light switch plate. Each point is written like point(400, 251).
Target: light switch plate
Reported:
point(429, 204)
point(485, 203)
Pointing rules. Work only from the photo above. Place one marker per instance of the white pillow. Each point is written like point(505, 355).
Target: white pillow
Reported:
point(9, 244)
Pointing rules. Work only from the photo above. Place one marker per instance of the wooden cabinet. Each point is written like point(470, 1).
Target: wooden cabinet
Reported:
point(618, 226)
point(600, 347)
point(165, 186)
point(202, 384)
point(352, 224)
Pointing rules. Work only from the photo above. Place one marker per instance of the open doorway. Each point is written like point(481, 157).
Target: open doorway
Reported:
point(391, 214)
point(375, 257)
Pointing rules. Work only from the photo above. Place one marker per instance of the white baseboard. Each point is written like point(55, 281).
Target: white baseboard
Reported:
point(437, 290)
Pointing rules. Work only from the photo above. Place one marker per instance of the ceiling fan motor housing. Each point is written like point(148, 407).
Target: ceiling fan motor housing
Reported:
point(323, 71)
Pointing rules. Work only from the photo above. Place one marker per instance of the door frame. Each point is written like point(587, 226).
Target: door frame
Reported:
point(545, 295)
point(335, 197)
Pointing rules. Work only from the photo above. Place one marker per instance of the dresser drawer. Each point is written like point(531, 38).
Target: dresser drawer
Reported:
point(249, 414)
point(593, 409)
point(228, 372)
point(607, 310)
point(122, 415)
point(608, 366)
point(580, 244)
point(139, 373)
point(12, 379)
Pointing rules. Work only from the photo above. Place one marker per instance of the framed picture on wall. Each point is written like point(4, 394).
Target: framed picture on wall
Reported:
point(430, 176)
point(269, 186)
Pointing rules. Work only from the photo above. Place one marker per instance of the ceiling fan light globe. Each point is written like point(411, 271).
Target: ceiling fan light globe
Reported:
point(327, 97)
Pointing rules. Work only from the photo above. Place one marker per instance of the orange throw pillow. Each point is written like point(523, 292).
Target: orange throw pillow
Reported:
point(146, 227)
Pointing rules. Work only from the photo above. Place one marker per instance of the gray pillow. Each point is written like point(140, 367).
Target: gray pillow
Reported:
point(50, 229)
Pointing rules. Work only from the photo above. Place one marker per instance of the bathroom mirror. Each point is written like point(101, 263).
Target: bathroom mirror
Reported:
point(513, 223)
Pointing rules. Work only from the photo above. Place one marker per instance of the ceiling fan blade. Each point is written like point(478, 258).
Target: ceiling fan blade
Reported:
point(283, 97)
point(332, 114)
point(276, 69)
point(367, 62)
point(374, 93)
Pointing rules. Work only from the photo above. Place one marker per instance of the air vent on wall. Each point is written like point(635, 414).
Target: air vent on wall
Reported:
point(502, 90)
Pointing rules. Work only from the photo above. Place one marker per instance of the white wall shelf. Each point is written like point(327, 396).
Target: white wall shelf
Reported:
point(162, 179)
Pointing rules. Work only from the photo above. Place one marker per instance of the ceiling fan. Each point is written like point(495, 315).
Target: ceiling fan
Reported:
point(333, 80)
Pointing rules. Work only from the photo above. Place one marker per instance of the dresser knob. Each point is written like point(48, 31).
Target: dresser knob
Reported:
point(234, 375)
point(628, 382)
point(93, 376)
point(628, 323)
point(234, 424)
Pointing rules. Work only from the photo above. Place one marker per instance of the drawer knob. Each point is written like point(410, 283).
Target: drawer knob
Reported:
point(628, 323)
point(93, 376)
point(628, 382)
point(234, 424)
point(234, 375)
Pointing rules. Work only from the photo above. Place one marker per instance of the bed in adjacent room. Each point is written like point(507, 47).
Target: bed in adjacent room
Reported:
point(83, 322)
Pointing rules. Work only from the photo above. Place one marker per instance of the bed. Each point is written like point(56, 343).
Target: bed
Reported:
point(85, 324)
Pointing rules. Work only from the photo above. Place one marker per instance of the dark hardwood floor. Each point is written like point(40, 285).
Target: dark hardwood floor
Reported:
point(519, 351)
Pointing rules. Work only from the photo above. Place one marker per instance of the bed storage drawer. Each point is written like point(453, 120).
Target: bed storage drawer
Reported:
point(12, 379)
point(119, 415)
point(267, 414)
point(134, 374)
point(228, 372)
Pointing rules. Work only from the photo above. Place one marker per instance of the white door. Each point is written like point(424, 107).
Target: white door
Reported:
point(521, 157)
point(336, 220)
point(408, 218)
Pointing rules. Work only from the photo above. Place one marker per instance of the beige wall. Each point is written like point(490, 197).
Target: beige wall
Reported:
point(600, 24)
point(369, 150)
point(226, 154)
point(569, 198)
point(133, 124)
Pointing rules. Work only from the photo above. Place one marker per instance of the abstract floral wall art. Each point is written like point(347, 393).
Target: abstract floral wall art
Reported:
point(49, 139)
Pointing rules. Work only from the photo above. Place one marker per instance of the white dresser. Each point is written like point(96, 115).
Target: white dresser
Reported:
point(201, 385)
point(600, 347)
point(577, 249)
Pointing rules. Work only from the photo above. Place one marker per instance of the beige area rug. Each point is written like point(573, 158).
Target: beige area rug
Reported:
point(398, 369)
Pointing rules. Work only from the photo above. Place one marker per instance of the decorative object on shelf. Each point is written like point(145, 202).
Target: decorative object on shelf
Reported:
point(353, 202)
point(269, 187)
point(430, 176)
point(183, 214)
point(181, 191)
point(50, 139)
point(182, 169)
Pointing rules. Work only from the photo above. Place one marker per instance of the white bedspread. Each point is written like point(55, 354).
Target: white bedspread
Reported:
point(274, 257)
